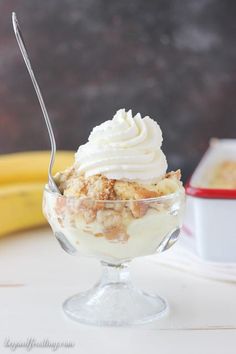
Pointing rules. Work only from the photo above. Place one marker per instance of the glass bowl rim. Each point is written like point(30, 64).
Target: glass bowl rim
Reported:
point(163, 198)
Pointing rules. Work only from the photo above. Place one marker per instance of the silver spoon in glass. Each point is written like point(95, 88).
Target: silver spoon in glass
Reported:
point(19, 37)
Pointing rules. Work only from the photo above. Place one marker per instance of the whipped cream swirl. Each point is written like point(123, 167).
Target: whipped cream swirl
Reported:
point(124, 148)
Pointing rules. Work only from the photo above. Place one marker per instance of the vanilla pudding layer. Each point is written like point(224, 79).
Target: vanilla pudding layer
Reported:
point(115, 231)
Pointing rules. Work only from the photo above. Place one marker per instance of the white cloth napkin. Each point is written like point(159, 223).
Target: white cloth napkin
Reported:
point(182, 256)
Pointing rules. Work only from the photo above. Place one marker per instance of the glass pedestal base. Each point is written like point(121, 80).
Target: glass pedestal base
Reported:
point(114, 302)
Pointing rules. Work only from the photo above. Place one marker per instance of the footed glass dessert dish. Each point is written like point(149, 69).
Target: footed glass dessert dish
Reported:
point(114, 232)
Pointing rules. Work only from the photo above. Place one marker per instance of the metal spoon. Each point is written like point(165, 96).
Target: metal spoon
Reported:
point(169, 240)
point(19, 37)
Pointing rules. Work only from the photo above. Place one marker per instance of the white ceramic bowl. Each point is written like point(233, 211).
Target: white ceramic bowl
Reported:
point(211, 213)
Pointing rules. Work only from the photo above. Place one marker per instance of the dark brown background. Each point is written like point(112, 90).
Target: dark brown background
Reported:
point(174, 60)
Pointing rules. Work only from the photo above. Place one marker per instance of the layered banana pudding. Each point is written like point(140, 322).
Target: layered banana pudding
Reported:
point(223, 175)
point(117, 202)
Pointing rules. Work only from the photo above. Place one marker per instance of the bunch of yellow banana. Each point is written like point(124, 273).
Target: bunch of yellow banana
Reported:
point(22, 180)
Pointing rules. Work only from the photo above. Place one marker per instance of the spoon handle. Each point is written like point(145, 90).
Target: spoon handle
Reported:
point(21, 43)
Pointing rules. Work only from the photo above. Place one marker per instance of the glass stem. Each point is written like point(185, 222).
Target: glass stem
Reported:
point(115, 274)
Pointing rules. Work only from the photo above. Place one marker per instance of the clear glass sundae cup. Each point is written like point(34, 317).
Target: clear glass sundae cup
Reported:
point(114, 232)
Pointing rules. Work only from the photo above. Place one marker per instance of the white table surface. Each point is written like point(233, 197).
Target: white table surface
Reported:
point(36, 276)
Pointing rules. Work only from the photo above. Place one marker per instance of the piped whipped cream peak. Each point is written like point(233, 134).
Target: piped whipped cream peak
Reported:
point(124, 148)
